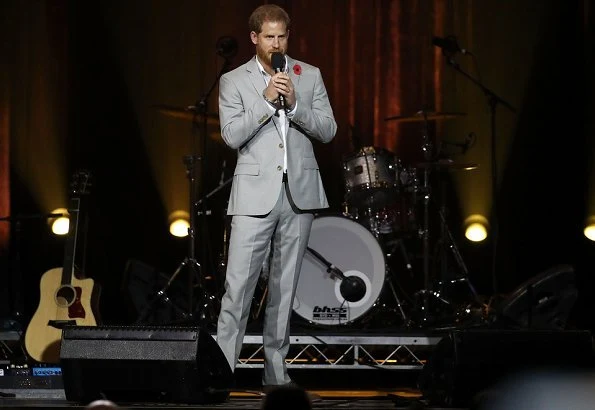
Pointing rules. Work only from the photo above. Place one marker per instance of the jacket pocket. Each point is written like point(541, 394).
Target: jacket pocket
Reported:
point(247, 169)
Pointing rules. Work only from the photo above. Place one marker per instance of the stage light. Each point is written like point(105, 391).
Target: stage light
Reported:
point(61, 224)
point(476, 228)
point(179, 223)
point(589, 230)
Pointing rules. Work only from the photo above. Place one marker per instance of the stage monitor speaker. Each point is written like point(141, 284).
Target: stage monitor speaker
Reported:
point(543, 302)
point(467, 363)
point(143, 364)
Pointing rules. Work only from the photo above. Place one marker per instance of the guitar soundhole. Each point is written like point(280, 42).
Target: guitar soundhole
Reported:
point(65, 296)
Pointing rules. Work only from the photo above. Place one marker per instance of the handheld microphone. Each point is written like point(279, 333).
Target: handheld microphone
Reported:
point(449, 45)
point(278, 64)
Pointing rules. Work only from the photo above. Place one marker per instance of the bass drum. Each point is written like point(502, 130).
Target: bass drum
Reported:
point(354, 251)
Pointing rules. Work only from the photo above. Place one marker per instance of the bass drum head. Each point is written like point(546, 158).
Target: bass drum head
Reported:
point(354, 251)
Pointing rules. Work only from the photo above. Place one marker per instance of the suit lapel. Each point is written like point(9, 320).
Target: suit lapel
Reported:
point(295, 79)
point(255, 76)
point(259, 85)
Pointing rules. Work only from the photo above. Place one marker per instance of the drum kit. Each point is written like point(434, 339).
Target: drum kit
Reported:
point(357, 263)
point(359, 270)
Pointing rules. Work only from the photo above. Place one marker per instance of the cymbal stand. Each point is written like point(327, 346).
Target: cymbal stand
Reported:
point(190, 263)
point(208, 313)
point(447, 242)
point(425, 232)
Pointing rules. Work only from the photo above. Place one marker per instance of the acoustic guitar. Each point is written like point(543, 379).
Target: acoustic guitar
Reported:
point(66, 297)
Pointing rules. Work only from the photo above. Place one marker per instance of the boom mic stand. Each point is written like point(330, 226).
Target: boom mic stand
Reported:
point(493, 101)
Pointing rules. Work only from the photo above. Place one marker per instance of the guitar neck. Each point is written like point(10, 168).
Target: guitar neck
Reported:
point(71, 242)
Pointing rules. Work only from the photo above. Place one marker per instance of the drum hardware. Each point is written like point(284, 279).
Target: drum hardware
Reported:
point(424, 116)
point(187, 113)
point(425, 232)
point(399, 243)
point(438, 294)
point(407, 321)
point(381, 307)
point(205, 312)
point(447, 163)
point(447, 242)
point(370, 177)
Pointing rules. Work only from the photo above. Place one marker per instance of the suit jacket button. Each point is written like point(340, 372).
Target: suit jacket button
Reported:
point(281, 145)
point(279, 168)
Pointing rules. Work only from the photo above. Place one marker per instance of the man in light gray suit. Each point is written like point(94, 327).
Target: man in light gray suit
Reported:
point(271, 117)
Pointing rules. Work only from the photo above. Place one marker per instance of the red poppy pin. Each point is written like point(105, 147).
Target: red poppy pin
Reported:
point(297, 69)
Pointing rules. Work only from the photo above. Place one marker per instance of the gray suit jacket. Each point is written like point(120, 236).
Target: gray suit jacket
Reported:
point(247, 125)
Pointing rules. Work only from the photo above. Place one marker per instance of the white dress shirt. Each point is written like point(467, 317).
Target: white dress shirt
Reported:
point(281, 120)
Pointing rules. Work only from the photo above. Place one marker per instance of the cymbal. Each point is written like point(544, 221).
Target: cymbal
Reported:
point(447, 164)
point(187, 113)
point(426, 115)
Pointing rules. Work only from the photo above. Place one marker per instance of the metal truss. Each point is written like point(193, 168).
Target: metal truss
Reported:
point(345, 352)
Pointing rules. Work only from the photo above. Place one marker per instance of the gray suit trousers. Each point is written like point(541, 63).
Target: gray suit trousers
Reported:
point(249, 242)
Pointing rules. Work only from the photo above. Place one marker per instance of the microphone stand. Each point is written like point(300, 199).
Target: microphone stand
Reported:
point(493, 101)
point(214, 191)
point(200, 109)
point(330, 268)
point(354, 281)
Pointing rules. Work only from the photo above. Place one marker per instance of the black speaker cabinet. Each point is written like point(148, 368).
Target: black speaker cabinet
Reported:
point(468, 363)
point(143, 364)
point(543, 302)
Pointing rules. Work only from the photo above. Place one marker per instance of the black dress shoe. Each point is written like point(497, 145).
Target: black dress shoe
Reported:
point(290, 387)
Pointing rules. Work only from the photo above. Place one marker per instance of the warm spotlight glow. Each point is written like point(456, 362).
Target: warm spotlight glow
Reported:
point(590, 229)
point(179, 223)
point(476, 228)
point(476, 232)
point(61, 224)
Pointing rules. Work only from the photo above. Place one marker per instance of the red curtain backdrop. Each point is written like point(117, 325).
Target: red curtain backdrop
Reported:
point(378, 61)
point(81, 84)
point(4, 172)
point(5, 86)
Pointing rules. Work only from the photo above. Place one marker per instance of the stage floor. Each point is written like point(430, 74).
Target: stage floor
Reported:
point(246, 399)
point(373, 380)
